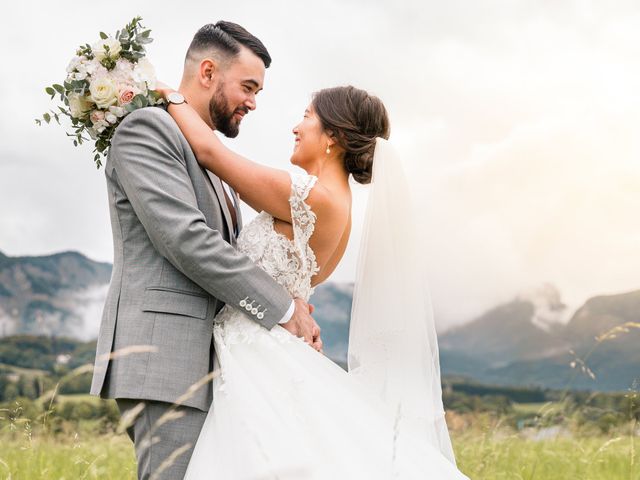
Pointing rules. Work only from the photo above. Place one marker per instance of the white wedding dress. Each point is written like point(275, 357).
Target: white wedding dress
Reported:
point(281, 410)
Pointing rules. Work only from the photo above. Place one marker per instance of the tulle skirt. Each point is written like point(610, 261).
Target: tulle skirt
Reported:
point(283, 411)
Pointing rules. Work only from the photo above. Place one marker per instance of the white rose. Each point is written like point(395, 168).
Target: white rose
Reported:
point(145, 73)
point(79, 105)
point(103, 92)
point(125, 67)
point(100, 48)
point(91, 66)
point(87, 68)
point(111, 118)
point(100, 126)
point(73, 64)
point(117, 111)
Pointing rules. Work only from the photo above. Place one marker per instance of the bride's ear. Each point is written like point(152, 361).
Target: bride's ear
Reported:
point(331, 138)
point(334, 145)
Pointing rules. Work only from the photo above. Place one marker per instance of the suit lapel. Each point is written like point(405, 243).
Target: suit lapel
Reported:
point(217, 187)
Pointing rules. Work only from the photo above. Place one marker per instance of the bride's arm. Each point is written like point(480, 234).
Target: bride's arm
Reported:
point(262, 187)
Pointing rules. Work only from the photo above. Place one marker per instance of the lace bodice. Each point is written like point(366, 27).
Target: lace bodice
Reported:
point(291, 263)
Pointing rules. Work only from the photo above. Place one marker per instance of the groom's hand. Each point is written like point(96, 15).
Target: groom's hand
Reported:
point(317, 341)
point(303, 325)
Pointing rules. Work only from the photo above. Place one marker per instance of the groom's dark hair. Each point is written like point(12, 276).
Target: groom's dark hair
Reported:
point(226, 38)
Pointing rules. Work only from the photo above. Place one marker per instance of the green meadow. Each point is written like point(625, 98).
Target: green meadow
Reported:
point(38, 443)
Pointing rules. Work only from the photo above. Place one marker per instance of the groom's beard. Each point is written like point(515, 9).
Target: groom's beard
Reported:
point(222, 115)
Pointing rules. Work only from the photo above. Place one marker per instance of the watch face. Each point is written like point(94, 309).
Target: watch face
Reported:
point(175, 97)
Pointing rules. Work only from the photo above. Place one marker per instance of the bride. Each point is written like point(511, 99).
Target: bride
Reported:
point(282, 409)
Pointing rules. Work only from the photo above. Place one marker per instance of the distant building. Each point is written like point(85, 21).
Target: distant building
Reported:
point(63, 359)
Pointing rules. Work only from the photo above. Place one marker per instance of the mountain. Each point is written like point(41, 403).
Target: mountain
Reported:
point(60, 294)
point(525, 341)
point(601, 314)
point(504, 334)
point(63, 295)
point(521, 342)
point(507, 346)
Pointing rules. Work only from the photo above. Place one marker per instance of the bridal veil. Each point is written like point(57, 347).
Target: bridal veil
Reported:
point(393, 347)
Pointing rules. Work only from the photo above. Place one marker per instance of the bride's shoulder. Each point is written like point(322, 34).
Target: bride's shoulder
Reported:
point(322, 199)
point(302, 184)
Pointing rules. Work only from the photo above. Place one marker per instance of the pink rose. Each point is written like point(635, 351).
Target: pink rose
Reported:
point(126, 95)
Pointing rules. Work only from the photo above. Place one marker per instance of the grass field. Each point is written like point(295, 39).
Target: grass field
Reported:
point(37, 446)
point(106, 457)
point(492, 455)
point(514, 458)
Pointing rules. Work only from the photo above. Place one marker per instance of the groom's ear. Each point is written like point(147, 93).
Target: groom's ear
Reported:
point(208, 70)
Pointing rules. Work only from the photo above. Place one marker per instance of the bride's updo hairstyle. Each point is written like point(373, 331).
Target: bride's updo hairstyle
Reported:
point(354, 119)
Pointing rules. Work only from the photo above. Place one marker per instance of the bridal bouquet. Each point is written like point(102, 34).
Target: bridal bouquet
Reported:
point(105, 81)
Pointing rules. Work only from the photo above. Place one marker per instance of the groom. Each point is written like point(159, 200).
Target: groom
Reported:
point(175, 263)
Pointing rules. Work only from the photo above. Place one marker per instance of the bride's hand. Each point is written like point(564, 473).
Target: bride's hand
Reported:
point(163, 89)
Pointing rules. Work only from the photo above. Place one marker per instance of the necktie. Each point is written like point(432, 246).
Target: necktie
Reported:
point(232, 208)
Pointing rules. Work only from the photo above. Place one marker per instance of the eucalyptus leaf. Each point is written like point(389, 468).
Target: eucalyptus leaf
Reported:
point(140, 101)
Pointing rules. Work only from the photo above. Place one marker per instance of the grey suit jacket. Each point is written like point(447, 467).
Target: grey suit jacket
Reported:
point(174, 267)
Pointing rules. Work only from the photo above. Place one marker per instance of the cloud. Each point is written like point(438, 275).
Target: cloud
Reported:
point(516, 120)
point(554, 201)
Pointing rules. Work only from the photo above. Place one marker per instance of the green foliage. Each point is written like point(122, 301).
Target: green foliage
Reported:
point(514, 394)
point(40, 352)
point(462, 403)
point(133, 40)
point(75, 383)
point(139, 101)
point(11, 392)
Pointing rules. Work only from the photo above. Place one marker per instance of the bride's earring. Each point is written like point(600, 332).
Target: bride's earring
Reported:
point(328, 150)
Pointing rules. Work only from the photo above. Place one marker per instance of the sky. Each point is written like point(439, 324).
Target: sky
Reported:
point(517, 122)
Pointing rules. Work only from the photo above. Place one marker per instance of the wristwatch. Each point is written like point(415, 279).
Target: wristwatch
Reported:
point(176, 98)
